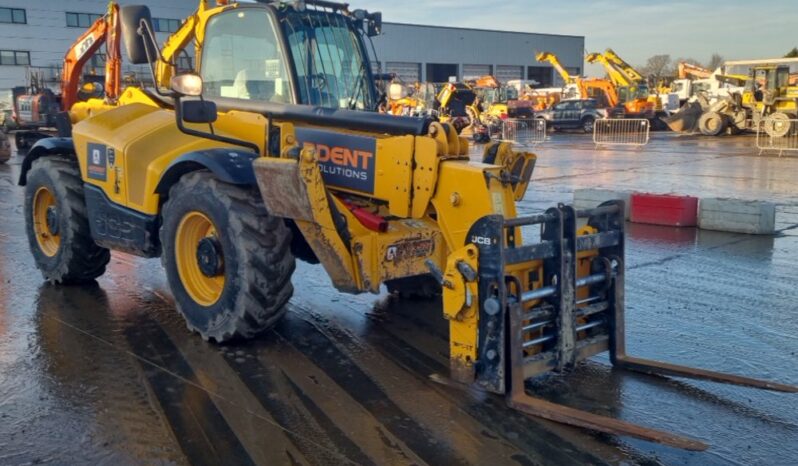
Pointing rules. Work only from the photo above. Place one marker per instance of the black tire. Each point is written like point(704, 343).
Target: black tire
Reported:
point(256, 255)
point(420, 287)
point(5, 149)
point(587, 124)
point(712, 124)
point(78, 258)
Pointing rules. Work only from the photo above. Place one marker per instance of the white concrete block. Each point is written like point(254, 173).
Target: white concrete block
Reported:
point(737, 216)
point(589, 198)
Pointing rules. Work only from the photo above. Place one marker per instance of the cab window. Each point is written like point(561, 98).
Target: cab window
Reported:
point(242, 59)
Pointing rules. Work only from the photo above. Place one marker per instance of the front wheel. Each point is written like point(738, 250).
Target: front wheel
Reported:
point(587, 124)
point(778, 125)
point(712, 124)
point(227, 260)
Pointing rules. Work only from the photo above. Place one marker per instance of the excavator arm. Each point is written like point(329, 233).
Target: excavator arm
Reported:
point(688, 70)
point(104, 30)
point(623, 67)
point(616, 76)
point(555, 62)
point(177, 42)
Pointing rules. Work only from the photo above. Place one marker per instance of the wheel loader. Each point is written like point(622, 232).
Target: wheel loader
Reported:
point(274, 152)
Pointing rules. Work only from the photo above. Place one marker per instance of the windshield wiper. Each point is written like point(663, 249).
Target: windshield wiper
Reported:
point(358, 86)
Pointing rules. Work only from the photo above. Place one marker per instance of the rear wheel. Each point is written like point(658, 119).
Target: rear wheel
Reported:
point(57, 223)
point(778, 125)
point(227, 260)
point(711, 124)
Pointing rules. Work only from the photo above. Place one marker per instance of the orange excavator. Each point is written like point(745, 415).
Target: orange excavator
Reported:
point(36, 108)
point(105, 30)
point(586, 88)
point(687, 70)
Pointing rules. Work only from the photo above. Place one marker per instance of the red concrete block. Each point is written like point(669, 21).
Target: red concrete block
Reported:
point(664, 209)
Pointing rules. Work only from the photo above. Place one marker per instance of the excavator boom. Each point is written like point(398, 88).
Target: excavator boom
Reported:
point(106, 30)
point(555, 62)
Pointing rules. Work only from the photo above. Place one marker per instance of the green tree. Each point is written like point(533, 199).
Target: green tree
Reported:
point(792, 53)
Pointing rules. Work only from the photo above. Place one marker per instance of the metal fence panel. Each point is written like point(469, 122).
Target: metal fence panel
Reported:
point(524, 132)
point(777, 135)
point(621, 131)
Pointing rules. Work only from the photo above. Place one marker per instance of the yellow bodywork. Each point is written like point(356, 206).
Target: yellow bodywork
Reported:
point(426, 188)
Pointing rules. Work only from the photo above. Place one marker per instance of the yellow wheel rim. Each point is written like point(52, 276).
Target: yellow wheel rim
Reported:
point(44, 205)
point(203, 289)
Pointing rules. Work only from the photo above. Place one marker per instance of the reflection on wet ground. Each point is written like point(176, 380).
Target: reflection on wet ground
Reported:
point(109, 373)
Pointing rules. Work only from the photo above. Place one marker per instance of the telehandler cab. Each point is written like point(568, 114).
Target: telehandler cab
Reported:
point(274, 151)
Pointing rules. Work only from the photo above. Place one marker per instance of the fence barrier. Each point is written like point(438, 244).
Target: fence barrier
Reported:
point(621, 132)
point(777, 134)
point(525, 132)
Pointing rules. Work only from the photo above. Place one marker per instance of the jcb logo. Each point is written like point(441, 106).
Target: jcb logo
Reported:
point(483, 240)
point(84, 46)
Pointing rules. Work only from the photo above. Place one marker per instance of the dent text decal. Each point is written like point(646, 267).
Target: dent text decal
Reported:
point(345, 160)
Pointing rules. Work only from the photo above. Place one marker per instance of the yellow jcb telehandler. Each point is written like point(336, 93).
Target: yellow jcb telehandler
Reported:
point(274, 151)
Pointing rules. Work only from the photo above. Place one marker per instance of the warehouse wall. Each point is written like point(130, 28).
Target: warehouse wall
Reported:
point(417, 46)
point(47, 37)
point(413, 50)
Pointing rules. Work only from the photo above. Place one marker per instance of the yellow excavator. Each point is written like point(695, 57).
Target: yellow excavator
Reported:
point(630, 87)
point(271, 153)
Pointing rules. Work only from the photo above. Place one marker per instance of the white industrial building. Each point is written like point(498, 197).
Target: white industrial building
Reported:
point(35, 34)
point(434, 53)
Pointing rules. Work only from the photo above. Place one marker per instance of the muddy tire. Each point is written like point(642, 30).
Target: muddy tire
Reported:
point(5, 149)
point(420, 287)
point(712, 124)
point(57, 223)
point(778, 125)
point(227, 260)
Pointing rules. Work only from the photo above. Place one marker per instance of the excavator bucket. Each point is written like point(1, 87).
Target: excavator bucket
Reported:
point(574, 311)
point(686, 119)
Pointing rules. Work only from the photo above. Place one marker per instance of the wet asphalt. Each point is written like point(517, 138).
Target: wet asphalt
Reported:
point(108, 374)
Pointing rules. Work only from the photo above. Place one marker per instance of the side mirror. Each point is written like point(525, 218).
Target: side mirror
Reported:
point(188, 84)
point(131, 18)
point(374, 24)
point(198, 111)
point(370, 23)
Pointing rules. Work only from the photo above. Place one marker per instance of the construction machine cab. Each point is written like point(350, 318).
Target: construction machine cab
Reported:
point(768, 81)
point(306, 53)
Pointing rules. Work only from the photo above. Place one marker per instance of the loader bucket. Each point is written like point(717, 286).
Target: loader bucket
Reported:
point(686, 119)
point(573, 311)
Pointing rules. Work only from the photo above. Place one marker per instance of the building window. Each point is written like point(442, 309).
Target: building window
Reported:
point(184, 63)
point(81, 20)
point(13, 15)
point(14, 57)
point(165, 25)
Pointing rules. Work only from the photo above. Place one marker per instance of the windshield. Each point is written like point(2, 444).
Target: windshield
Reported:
point(329, 60)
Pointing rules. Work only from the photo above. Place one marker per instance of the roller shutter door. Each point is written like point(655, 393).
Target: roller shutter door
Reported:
point(407, 72)
point(475, 71)
point(506, 73)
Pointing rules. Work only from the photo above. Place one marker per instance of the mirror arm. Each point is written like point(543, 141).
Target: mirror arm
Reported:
point(214, 137)
point(145, 32)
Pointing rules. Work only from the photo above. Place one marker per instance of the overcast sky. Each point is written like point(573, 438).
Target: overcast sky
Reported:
point(635, 29)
